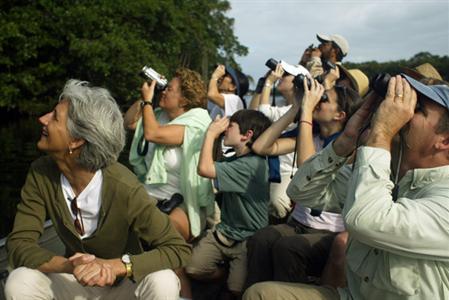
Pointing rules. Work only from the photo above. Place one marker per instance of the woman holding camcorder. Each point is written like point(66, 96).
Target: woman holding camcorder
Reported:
point(166, 147)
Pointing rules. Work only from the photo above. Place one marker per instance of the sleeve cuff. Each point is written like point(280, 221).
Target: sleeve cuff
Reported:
point(265, 109)
point(371, 155)
point(331, 157)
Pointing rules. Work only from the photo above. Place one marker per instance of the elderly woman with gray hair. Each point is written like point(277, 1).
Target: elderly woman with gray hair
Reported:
point(99, 209)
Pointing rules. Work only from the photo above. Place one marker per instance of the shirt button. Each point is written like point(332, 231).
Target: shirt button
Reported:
point(376, 252)
point(330, 160)
point(366, 279)
point(308, 178)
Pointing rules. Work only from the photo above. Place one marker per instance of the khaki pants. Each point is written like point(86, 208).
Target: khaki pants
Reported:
point(271, 290)
point(209, 252)
point(25, 283)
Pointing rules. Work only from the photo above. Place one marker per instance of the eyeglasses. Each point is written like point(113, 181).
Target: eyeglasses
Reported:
point(79, 225)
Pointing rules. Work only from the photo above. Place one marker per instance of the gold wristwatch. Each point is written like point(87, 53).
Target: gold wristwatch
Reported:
point(126, 260)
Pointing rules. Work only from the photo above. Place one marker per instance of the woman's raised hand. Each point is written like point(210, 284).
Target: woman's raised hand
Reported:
point(311, 96)
point(147, 90)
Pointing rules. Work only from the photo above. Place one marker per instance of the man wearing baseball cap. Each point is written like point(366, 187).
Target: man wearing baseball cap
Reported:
point(333, 48)
point(226, 90)
point(398, 230)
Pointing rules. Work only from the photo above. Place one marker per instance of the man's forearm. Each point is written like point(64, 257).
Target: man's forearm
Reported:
point(377, 139)
point(343, 146)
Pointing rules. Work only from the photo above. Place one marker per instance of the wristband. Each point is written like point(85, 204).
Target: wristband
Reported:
point(307, 122)
point(267, 84)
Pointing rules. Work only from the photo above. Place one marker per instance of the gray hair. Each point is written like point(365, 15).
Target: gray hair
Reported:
point(95, 117)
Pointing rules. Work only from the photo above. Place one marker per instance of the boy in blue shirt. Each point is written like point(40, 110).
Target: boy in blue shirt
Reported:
point(243, 180)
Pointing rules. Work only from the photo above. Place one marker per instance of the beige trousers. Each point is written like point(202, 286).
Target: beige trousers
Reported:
point(24, 283)
point(270, 290)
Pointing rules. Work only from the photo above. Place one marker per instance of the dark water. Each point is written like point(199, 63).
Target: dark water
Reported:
point(17, 150)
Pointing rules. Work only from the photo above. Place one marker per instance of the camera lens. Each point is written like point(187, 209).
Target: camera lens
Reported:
point(298, 81)
point(379, 83)
point(271, 64)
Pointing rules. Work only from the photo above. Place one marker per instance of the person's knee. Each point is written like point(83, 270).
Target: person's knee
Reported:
point(259, 291)
point(338, 249)
point(24, 282)
point(279, 208)
point(180, 221)
point(162, 284)
point(262, 238)
point(195, 273)
point(340, 241)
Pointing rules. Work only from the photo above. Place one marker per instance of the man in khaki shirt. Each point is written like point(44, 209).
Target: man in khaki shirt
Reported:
point(398, 244)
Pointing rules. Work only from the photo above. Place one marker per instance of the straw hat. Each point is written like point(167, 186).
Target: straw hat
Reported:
point(358, 79)
point(422, 71)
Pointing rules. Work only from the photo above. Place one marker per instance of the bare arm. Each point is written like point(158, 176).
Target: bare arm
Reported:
point(269, 143)
point(213, 93)
point(132, 115)
point(206, 166)
point(269, 82)
point(310, 100)
point(153, 131)
point(255, 102)
point(345, 143)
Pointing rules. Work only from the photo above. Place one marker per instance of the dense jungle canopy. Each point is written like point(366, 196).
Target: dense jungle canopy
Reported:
point(45, 42)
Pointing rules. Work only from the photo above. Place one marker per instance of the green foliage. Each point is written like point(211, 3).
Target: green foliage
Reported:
point(43, 43)
point(370, 68)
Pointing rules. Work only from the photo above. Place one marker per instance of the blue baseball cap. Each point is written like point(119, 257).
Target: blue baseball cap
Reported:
point(240, 80)
point(438, 93)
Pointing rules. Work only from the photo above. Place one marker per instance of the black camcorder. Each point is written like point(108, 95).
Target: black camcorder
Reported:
point(271, 64)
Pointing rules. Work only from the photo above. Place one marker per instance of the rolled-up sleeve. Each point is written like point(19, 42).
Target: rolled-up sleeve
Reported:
point(273, 113)
point(168, 248)
point(321, 182)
